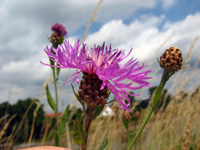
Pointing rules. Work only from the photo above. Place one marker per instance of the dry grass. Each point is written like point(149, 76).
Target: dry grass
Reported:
point(5, 126)
point(91, 20)
point(177, 128)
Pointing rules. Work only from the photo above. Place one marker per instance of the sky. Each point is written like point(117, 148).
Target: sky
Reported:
point(147, 26)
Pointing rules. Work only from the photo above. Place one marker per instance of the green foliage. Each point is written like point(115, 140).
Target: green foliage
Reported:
point(19, 109)
point(76, 113)
point(77, 96)
point(98, 111)
point(57, 72)
point(50, 99)
point(126, 124)
point(103, 146)
point(56, 136)
point(60, 40)
point(79, 134)
point(51, 61)
point(64, 120)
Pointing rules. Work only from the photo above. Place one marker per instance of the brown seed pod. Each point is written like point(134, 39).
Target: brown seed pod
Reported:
point(171, 59)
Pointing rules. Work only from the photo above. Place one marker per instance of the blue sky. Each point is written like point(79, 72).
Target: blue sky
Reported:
point(147, 26)
point(178, 11)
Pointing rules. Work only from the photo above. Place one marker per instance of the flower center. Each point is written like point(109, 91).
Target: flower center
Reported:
point(89, 90)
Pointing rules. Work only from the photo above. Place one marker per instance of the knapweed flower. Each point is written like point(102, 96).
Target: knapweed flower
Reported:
point(58, 32)
point(103, 69)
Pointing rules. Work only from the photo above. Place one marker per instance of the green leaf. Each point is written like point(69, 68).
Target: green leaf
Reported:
point(98, 111)
point(103, 146)
point(56, 136)
point(52, 63)
point(55, 45)
point(77, 96)
point(109, 92)
point(50, 99)
point(126, 124)
point(61, 40)
point(79, 134)
point(57, 72)
point(64, 120)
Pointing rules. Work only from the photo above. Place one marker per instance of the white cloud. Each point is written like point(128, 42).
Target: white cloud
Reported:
point(21, 15)
point(117, 9)
point(25, 25)
point(144, 35)
point(116, 32)
point(167, 3)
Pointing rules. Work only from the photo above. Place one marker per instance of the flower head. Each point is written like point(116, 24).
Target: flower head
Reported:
point(171, 59)
point(59, 32)
point(59, 28)
point(103, 65)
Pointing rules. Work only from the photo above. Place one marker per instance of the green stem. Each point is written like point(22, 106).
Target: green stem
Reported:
point(87, 122)
point(166, 75)
point(128, 134)
point(57, 141)
point(135, 123)
point(57, 115)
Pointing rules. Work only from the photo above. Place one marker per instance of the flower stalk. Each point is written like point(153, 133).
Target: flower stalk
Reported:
point(170, 61)
point(57, 37)
point(57, 115)
point(87, 122)
point(166, 75)
point(55, 78)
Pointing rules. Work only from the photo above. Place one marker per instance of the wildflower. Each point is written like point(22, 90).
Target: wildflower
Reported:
point(59, 32)
point(101, 70)
point(171, 59)
point(59, 28)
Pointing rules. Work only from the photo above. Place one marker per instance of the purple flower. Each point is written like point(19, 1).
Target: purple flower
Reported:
point(104, 62)
point(59, 28)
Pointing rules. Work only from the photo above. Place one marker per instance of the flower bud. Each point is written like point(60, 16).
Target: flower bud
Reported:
point(136, 114)
point(55, 37)
point(171, 59)
point(126, 115)
point(59, 32)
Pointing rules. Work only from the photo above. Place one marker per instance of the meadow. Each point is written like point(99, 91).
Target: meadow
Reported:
point(174, 127)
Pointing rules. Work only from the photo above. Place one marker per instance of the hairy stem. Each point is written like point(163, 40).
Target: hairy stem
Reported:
point(87, 122)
